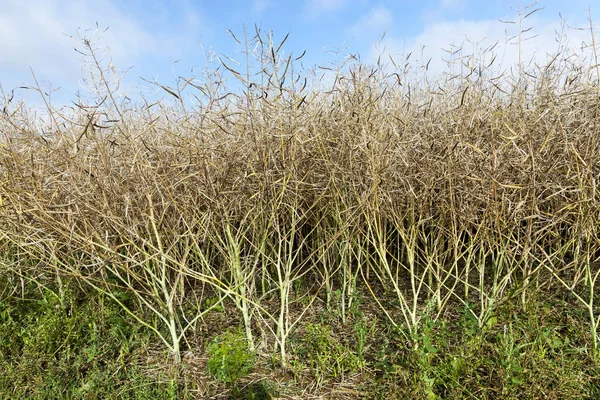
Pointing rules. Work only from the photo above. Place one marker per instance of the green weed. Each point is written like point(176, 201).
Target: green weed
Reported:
point(229, 357)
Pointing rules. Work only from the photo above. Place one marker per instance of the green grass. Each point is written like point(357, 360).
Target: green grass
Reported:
point(81, 345)
point(75, 345)
point(525, 354)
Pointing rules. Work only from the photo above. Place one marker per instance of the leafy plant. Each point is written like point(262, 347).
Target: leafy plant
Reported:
point(229, 357)
point(325, 354)
point(361, 330)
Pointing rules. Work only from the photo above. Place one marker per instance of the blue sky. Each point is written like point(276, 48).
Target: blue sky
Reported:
point(148, 36)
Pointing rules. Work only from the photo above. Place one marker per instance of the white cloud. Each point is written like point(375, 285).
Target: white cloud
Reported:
point(475, 35)
point(37, 30)
point(259, 6)
point(318, 7)
point(376, 21)
point(453, 4)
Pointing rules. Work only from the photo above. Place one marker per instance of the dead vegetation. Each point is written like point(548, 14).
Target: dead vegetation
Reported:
point(289, 195)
